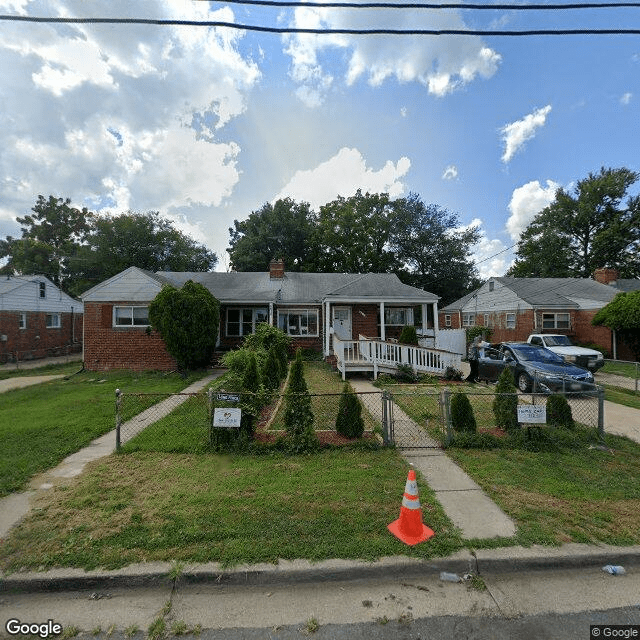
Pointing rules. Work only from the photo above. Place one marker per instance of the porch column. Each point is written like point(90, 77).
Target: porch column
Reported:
point(436, 326)
point(424, 319)
point(327, 326)
point(383, 333)
point(271, 313)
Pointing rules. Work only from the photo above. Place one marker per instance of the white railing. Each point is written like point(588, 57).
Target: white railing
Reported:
point(390, 354)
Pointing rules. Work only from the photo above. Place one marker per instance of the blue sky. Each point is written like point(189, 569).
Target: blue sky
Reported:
point(206, 125)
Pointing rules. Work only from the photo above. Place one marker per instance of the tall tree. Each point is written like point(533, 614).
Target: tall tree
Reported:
point(279, 230)
point(51, 241)
point(434, 251)
point(353, 235)
point(147, 241)
point(598, 225)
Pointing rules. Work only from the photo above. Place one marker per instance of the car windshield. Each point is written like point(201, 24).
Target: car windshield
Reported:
point(535, 354)
point(557, 341)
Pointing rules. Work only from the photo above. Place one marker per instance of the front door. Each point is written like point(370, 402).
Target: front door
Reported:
point(342, 322)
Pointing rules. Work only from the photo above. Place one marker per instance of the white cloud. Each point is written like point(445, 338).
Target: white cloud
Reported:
point(450, 173)
point(343, 175)
point(626, 98)
point(489, 255)
point(515, 135)
point(526, 202)
point(128, 117)
point(441, 64)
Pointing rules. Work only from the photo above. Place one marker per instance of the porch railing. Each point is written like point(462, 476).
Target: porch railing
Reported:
point(374, 354)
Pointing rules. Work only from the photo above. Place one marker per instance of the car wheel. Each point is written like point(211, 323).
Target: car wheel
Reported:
point(524, 383)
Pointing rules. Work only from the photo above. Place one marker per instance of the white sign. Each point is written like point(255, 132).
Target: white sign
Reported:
point(228, 418)
point(532, 413)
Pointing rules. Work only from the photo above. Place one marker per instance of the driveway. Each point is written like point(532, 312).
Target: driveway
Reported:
point(25, 381)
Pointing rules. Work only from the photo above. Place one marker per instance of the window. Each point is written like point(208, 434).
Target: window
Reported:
point(447, 320)
point(130, 316)
point(43, 289)
point(242, 322)
point(299, 322)
point(511, 321)
point(555, 320)
point(22, 320)
point(398, 316)
point(53, 320)
point(468, 319)
point(491, 285)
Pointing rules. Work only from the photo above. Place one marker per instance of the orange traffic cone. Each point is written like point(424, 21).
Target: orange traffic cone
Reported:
point(408, 527)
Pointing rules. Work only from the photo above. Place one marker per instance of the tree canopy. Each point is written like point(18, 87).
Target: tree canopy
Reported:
point(77, 249)
point(622, 315)
point(598, 225)
point(423, 244)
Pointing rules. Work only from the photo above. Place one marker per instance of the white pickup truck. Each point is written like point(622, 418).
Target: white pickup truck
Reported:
point(580, 356)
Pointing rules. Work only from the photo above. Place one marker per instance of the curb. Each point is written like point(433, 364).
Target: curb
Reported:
point(292, 572)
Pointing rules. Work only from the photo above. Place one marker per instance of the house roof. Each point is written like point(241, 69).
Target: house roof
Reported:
point(258, 287)
point(627, 284)
point(566, 293)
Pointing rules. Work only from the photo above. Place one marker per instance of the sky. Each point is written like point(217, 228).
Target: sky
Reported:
point(205, 125)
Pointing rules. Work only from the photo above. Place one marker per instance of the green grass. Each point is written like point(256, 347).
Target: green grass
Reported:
point(627, 369)
point(42, 424)
point(627, 397)
point(229, 509)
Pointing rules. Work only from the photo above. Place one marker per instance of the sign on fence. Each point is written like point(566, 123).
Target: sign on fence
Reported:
point(227, 418)
point(228, 397)
point(532, 413)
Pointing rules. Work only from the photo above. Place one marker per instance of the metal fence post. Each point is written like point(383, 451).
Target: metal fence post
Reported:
point(601, 412)
point(210, 414)
point(386, 431)
point(445, 397)
point(118, 418)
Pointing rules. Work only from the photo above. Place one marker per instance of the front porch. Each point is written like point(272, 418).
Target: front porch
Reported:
point(378, 356)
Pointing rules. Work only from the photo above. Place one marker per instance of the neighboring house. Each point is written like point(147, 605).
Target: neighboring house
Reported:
point(513, 308)
point(37, 319)
point(309, 307)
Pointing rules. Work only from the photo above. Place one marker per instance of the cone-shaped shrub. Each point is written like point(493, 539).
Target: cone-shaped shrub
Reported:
point(409, 335)
point(462, 418)
point(298, 415)
point(251, 377)
point(505, 404)
point(559, 412)
point(271, 373)
point(349, 422)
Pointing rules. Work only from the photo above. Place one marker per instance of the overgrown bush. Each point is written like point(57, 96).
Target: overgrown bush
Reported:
point(298, 415)
point(405, 373)
point(559, 412)
point(267, 336)
point(187, 319)
point(349, 421)
point(462, 418)
point(408, 335)
point(505, 403)
point(453, 374)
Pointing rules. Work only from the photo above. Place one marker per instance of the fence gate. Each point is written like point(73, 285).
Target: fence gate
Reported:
point(426, 431)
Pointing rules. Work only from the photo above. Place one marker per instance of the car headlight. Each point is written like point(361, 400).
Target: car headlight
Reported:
point(568, 358)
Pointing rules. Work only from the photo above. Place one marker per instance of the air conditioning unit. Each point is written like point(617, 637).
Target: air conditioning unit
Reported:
point(3, 338)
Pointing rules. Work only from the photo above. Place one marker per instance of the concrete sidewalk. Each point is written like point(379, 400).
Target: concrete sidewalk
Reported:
point(14, 507)
point(462, 499)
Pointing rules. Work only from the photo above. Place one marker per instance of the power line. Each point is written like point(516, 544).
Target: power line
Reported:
point(436, 6)
point(287, 30)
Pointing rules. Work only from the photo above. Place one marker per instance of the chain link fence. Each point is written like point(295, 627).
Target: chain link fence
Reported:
point(417, 417)
point(622, 373)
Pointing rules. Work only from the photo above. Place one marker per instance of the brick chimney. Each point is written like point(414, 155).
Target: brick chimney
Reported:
point(606, 275)
point(276, 269)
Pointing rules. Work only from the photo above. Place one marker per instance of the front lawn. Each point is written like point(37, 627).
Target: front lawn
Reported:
point(42, 424)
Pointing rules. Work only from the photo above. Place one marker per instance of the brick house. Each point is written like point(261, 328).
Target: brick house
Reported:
point(309, 307)
point(37, 319)
point(513, 308)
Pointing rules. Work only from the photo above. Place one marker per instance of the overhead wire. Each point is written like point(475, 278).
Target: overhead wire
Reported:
point(316, 31)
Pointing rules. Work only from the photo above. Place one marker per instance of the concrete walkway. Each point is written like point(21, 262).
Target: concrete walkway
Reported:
point(25, 381)
point(14, 507)
point(464, 502)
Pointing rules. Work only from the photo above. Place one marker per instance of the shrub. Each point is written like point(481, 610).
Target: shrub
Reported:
point(349, 422)
point(405, 373)
point(462, 418)
point(251, 377)
point(451, 373)
point(505, 404)
point(187, 319)
point(267, 336)
point(298, 415)
point(408, 335)
point(559, 412)
point(484, 332)
point(271, 373)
